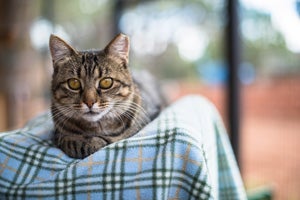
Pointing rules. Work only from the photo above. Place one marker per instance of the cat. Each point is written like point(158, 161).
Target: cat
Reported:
point(96, 99)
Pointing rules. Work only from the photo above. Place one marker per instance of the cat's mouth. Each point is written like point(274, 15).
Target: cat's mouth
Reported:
point(91, 113)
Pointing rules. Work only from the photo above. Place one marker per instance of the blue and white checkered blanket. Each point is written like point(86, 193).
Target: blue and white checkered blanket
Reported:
point(183, 154)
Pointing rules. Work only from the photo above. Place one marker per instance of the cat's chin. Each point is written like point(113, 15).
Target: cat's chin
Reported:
point(92, 117)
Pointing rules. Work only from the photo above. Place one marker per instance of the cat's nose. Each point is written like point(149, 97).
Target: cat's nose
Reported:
point(90, 103)
point(89, 98)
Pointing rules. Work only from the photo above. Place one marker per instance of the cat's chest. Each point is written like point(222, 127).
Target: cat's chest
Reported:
point(106, 127)
point(112, 124)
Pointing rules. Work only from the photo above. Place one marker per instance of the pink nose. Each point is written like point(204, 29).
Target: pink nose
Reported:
point(90, 103)
point(89, 97)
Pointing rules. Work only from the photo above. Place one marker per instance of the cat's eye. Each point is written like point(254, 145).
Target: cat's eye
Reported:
point(106, 83)
point(74, 84)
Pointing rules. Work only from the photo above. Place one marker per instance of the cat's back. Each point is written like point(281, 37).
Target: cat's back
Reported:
point(150, 91)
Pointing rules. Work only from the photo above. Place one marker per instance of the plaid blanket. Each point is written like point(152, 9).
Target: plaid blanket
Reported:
point(183, 154)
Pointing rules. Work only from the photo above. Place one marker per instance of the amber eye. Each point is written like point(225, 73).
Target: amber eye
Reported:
point(106, 83)
point(74, 84)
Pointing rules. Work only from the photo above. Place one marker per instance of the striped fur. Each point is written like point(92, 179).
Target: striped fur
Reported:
point(92, 116)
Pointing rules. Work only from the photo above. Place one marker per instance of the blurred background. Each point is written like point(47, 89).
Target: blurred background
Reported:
point(184, 43)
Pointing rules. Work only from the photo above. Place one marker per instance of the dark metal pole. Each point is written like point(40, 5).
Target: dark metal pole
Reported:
point(117, 13)
point(233, 86)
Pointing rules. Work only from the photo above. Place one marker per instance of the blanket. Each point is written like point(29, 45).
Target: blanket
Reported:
point(183, 154)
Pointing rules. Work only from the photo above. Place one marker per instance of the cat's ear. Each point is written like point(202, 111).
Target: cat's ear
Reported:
point(59, 48)
point(118, 48)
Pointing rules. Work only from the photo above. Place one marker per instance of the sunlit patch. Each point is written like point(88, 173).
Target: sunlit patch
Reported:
point(40, 30)
point(152, 29)
point(191, 43)
point(284, 18)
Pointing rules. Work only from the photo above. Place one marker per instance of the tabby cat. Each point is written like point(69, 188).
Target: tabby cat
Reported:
point(95, 98)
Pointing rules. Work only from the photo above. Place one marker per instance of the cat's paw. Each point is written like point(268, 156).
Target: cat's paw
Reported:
point(81, 147)
point(94, 144)
point(97, 142)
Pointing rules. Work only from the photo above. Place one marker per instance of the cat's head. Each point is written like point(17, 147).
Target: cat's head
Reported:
point(91, 84)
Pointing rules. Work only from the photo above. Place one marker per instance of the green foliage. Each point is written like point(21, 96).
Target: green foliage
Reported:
point(90, 24)
point(266, 48)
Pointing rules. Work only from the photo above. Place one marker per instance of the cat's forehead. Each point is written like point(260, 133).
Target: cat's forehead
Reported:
point(90, 63)
point(91, 55)
point(91, 52)
point(91, 58)
point(93, 63)
point(95, 57)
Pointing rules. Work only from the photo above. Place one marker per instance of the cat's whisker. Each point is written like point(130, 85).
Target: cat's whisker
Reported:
point(63, 111)
point(69, 113)
point(118, 117)
point(130, 104)
point(130, 113)
point(139, 122)
point(133, 108)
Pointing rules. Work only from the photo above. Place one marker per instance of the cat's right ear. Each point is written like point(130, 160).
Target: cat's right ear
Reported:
point(59, 48)
point(118, 48)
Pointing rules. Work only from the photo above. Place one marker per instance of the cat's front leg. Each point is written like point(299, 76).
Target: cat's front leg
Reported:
point(77, 146)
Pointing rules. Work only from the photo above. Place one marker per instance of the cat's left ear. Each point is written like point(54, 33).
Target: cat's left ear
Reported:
point(118, 48)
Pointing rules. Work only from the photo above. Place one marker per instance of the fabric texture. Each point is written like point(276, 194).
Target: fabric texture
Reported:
point(183, 154)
